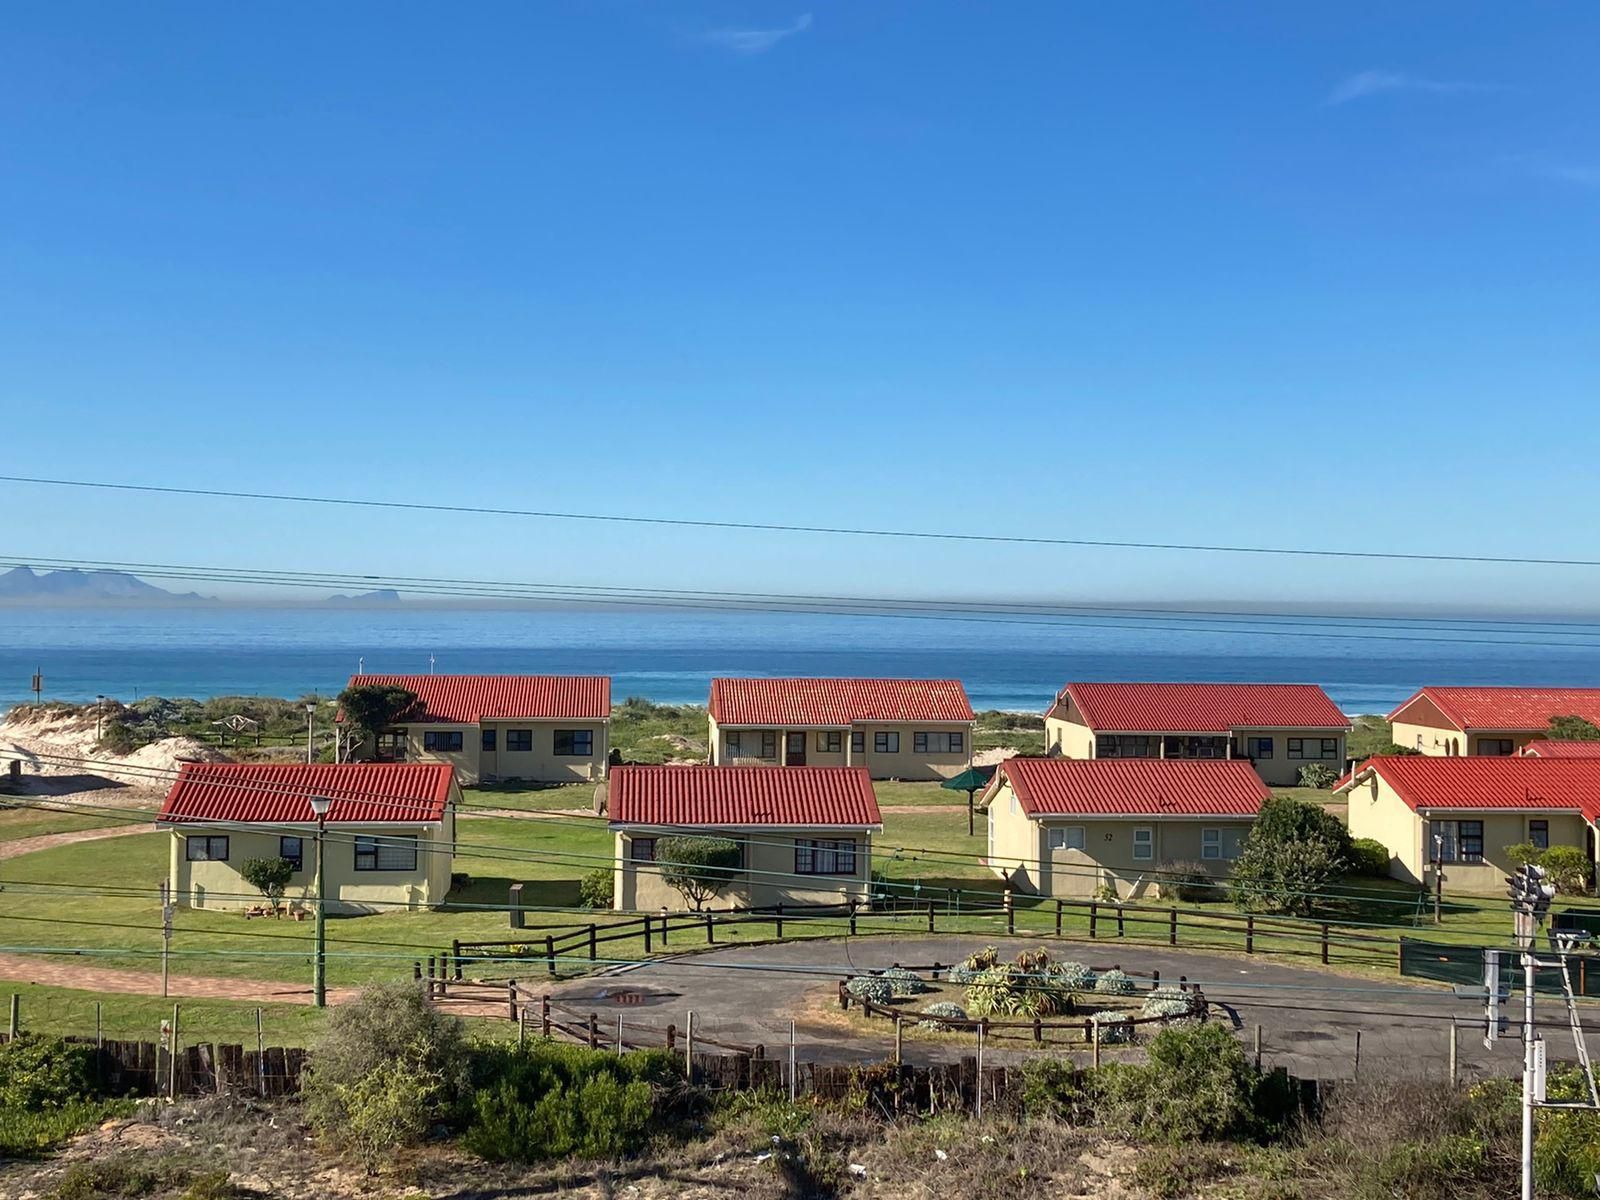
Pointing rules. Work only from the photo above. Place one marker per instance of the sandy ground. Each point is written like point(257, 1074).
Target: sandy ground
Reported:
point(59, 760)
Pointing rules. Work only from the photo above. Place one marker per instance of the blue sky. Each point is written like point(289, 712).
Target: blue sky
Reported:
point(1275, 274)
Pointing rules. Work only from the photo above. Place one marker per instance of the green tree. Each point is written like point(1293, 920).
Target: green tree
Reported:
point(371, 708)
point(1294, 851)
point(1572, 729)
point(697, 868)
point(269, 876)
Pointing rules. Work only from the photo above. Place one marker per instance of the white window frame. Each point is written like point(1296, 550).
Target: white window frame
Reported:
point(1063, 837)
point(1211, 843)
point(1147, 843)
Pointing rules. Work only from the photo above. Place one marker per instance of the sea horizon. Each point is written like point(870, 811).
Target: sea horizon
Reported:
point(669, 656)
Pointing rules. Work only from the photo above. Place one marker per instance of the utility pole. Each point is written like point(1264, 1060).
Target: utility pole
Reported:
point(166, 932)
point(311, 716)
point(1438, 878)
point(319, 967)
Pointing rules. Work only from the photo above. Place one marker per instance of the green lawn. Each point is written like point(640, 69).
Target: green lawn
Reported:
point(66, 1011)
point(529, 797)
point(27, 821)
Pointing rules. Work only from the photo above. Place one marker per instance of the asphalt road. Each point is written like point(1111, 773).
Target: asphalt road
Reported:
point(1310, 1020)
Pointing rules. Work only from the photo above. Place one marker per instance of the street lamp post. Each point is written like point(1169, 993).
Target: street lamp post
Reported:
point(319, 970)
point(311, 713)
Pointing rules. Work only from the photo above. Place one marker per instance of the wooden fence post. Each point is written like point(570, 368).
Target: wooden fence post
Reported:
point(544, 1015)
point(455, 959)
point(594, 1032)
point(1250, 933)
point(648, 925)
point(663, 929)
point(1094, 919)
point(852, 918)
point(1324, 943)
point(550, 952)
point(777, 922)
point(1172, 927)
point(592, 932)
point(519, 919)
point(672, 1036)
point(1058, 918)
point(1120, 930)
point(711, 935)
point(930, 916)
point(511, 997)
point(416, 971)
point(1011, 912)
point(14, 1021)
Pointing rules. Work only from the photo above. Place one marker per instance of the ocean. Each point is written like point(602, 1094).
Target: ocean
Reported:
point(670, 656)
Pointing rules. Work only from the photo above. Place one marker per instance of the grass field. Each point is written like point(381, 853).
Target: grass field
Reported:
point(27, 822)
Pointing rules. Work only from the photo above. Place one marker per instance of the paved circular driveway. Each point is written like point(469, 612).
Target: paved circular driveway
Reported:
point(1310, 1019)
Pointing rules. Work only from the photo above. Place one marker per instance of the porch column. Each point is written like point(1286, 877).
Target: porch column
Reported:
point(849, 742)
point(1161, 746)
point(783, 747)
point(1227, 746)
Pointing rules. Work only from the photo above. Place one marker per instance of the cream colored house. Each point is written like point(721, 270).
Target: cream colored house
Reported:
point(1277, 727)
point(389, 835)
point(1452, 722)
point(1069, 827)
point(493, 728)
point(1463, 812)
point(805, 833)
point(918, 729)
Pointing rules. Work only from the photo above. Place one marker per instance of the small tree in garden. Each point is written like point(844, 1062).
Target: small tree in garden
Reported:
point(370, 708)
point(1293, 852)
point(697, 868)
point(1317, 775)
point(269, 876)
point(1572, 729)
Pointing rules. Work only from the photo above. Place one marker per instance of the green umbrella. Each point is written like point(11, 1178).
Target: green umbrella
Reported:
point(969, 781)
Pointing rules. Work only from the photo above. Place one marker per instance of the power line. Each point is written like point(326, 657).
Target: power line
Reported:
point(777, 527)
point(877, 607)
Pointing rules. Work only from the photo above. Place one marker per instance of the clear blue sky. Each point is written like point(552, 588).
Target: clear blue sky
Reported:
point(1261, 273)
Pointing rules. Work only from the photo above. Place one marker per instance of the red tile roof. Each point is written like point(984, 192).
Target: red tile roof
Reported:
point(1545, 748)
point(276, 793)
point(730, 796)
point(467, 699)
point(1203, 708)
point(1496, 708)
point(1129, 787)
point(1490, 782)
point(828, 702)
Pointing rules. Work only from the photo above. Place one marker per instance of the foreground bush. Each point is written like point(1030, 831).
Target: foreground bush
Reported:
point(1369, 856)
point(595, 890)
point(47, 1093)
point(544, 1101)
point(387, 1068)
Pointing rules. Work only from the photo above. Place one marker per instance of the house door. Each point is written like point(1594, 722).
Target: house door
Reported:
point(794, 750)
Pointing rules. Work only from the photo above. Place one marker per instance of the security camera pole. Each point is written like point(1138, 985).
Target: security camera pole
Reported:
point(1530, 894)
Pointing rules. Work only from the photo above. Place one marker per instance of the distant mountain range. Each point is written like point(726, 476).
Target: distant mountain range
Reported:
point(24, 585)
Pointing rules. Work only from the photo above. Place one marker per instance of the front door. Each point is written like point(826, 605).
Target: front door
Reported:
point(794, 750)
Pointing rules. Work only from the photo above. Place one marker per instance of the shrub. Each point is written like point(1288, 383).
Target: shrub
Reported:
point(697, 868)
point(1191, 883)
point(1568, 868)
point(1196, 1085)
point(1369, 857)
point(1072, 976)
point(1294, 851)
point(544, 1101)
point(269, 876)
point(968, 969)
point(389, 1030)
point(116, 738)
point(1056, 1088)
point(904, 982)
point(1436, 1169)
point(43, 1073)
point(1113, 1026)
point(1168, 1001)
point(941, 1008)
point(871, 987)
point(1573, 729)
point(1317, 775)
point(1114, 983)
point(595, 888)
point(1010, 991)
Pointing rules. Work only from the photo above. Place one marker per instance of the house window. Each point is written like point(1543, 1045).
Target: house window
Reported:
point(1067, 837)
point(732, 743)
point(1496, 746)
point(1259, 747)
point(1539, 834)
point(574, 743)
point(1144, 843)
point(206, 849)
point(1297, 747)
point(292, 850)
point(830, 743)
point(519, 739)
point(937, 743)
point(824, 857)
point(1330, 747)
point(642, 849)
point(1223, 844)
point(1126, 745)
point(858, 743)
point(885, 743)
point(1457, 841)
point(390, 746)
point(443, 741)
point(488, 740)
point(769, 743)
point(386, 854)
